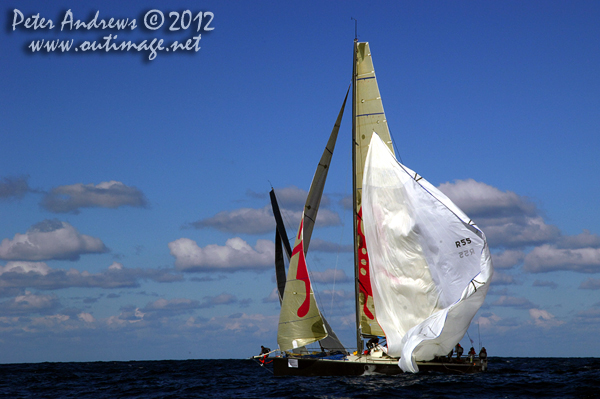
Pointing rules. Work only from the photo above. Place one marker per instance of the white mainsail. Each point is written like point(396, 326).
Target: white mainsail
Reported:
point(430, 266)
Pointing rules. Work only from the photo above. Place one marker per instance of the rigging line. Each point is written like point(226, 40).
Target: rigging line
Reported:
point(394, 143)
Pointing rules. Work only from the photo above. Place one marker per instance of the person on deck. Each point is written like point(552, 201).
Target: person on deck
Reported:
point(373, 342)
point(459, 351)
point(483, 358)
point(471, 354)
point(264, 351)
point(483, 354)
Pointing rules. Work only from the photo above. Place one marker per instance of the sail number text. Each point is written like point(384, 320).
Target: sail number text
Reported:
point(461, 244)
point(467, 252)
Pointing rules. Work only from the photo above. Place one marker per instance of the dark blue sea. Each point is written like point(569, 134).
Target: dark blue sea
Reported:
point(506, 378)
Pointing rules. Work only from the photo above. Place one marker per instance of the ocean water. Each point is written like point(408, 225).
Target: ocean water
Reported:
point(506, 378)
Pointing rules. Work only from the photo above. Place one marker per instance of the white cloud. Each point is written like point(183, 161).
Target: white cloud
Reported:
point(25, 267)
point(316, 244)
point(508, 220)
point(86, 317)
point(243, 220)
point(548, 258)
point(234, 256)
point(590, 284)
point(503, 279)
point(543, 318)
point(542, 283)
point(513, 302)
point(273, 296)
point(111, 194)
point(13, 187)
point(330, 276)
point(50, 239)
point(260, 221)
point(507, 259)
point(29, 303)
point(582, 240)
point(18, 275)
point(241, 324)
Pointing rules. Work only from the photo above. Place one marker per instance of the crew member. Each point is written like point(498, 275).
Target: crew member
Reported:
point(459, 351)
point(471, 354)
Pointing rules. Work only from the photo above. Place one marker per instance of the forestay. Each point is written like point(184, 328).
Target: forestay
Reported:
point(430, 267)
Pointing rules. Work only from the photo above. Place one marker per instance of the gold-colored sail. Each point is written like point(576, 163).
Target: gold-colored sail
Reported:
point(369, 117)
point(300, 321)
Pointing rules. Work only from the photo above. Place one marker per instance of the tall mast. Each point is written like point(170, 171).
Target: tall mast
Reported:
point(359, 343)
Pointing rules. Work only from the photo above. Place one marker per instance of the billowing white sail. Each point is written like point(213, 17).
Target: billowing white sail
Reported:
point(430, 267)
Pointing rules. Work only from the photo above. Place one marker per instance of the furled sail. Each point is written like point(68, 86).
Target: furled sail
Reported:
point(369, 117)
point(281, 238)
point(430, 266)
point(300, 322)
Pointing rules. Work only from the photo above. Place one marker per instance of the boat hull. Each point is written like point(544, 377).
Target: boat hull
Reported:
point(360, 366)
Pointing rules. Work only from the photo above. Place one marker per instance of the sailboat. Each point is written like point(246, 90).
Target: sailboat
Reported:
point(422, 267)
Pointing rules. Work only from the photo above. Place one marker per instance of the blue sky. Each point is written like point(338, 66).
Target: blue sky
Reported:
point(134, 213)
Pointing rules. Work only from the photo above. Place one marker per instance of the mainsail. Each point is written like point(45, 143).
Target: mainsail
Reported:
point(430, 265)
point(368, 117)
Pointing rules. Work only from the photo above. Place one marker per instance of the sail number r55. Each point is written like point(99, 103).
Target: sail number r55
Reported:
point(463, 242)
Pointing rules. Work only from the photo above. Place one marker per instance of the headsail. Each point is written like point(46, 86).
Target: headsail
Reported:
point(368, 117)
point(318, 183)
point(300, 321)
point(430, 266)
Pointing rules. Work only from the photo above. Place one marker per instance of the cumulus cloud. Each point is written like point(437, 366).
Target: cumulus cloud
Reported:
point(542, 283)
point(240, 324)
point(488, 320)
point(273, 296)
point(503, 279)
point(542, 318)
point(547, 258)
point(590, 284)
point(347, 202)
point(222, 299)
point(19, 275)
point(507, 259)
point(508, 220)
point(589, 316)
point(86, 317)
point(339, 295)
point(111, 194)
point(167, 307)
point(50, 239)
point(29, 303)
point(259, 221)
point(243, 220)
point(330, 276)
point(583, 240)
point(294, 197)
point(513, 302)
point(13, 187)
point(235, 255)
point(316, 244)
point(291, 201)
